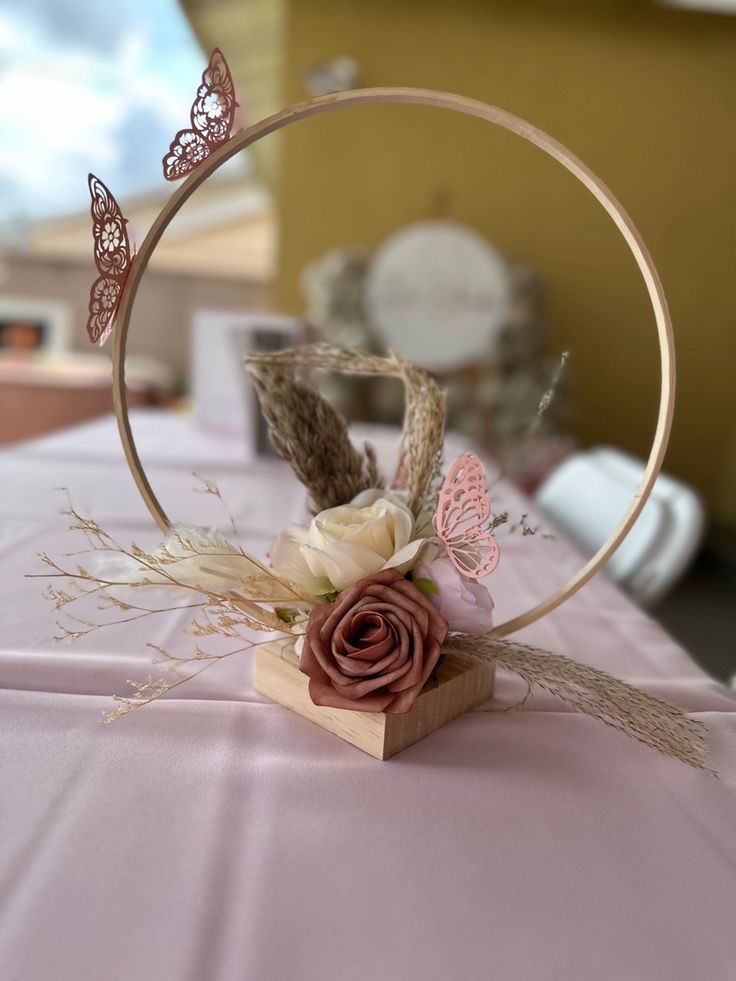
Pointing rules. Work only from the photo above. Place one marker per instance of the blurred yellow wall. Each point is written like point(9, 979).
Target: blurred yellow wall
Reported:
point(645, 95)
point(251, 34)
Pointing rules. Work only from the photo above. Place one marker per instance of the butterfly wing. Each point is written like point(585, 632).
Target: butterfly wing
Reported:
point(477, 558)
point(103, 301)
point(187, 150)
point(113, 255)
point(213, 111)
point(461, 522)
point(212, 117)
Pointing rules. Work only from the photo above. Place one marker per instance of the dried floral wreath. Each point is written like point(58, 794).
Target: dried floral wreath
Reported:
point(385, 580)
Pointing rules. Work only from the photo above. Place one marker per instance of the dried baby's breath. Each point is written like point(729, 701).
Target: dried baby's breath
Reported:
point(185, 563)
point(176, 671)
point(209, 486)
point(524, 527)
point(548, 396)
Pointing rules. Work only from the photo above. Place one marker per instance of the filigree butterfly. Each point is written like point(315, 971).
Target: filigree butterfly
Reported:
point(113, 255)
point(212, 117)
point(463, 518)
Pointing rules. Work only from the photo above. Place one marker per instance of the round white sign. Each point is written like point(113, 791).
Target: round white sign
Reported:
point(438, 293)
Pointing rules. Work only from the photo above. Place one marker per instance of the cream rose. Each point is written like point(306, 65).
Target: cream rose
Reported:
point(342, 545)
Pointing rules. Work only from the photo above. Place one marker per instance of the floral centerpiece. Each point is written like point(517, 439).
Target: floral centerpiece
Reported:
point(380, 585)
point(385, 581)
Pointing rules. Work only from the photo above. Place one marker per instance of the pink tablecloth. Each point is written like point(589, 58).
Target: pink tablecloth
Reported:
point(216, 837)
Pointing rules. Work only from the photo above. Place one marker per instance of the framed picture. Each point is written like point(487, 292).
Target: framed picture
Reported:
point(222, 393)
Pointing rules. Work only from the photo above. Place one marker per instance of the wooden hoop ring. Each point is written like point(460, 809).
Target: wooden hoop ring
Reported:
point(490, 114)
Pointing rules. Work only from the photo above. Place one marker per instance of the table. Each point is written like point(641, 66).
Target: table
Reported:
point(39, 394)
point(213, 836)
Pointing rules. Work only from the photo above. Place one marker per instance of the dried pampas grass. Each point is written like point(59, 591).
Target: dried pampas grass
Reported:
point(593, 693)
point(313, 438)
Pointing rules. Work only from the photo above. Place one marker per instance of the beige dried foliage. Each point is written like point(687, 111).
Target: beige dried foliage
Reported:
point(313, 437)
point(594, 693)
point(232, 593)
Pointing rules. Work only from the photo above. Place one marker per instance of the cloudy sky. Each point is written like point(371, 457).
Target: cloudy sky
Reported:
point(89, 86)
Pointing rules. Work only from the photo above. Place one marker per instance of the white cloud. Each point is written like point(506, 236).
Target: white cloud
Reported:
point(70, 100)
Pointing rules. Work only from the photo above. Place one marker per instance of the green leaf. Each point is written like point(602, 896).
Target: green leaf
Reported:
point(331, 597)
point(287, 616)
point(426, 585)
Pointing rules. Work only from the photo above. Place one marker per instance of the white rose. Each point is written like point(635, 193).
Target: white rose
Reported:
point(375, 531)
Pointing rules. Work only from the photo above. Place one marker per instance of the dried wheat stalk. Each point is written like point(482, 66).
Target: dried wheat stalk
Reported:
point(310, 435)
point(594, 693)
point(313, 438)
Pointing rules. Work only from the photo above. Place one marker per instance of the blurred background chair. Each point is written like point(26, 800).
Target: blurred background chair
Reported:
point(587, 495)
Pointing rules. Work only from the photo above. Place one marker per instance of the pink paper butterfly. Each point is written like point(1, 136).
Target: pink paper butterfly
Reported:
point(462, 519)
point(113, 255)
point(212, 117)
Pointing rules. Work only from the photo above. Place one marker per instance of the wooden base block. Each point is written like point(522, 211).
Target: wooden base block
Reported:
point(459, 688)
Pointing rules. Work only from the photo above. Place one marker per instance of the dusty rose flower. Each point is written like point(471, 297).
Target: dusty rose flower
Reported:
point(374, 648)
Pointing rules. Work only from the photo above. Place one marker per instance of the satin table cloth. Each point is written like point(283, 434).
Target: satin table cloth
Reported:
point(214, 836)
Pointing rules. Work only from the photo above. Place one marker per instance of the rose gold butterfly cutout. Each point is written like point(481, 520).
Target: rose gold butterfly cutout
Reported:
point(463, 516)
point(113, 255)
point(212, 117)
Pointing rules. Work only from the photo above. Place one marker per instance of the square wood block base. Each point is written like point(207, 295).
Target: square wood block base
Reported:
point(458, 689)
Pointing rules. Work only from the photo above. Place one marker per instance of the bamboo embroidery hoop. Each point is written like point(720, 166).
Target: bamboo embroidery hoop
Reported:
point(490, 114)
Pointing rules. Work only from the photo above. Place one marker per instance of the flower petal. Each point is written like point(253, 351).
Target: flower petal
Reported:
point(288, 561)
point(342, 563)
point(407, 557)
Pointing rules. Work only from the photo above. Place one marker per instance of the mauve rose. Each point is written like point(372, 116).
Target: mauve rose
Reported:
point(374, 648)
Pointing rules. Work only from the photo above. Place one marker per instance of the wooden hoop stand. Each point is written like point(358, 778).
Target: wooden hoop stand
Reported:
point(490, 114)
